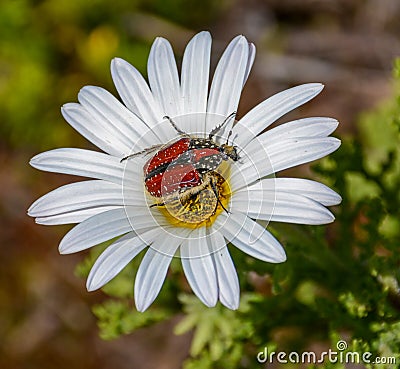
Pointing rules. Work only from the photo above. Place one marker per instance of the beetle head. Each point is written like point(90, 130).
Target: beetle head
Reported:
point(230, 152)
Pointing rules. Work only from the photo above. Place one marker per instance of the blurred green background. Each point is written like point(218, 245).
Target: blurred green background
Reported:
point(50, 49)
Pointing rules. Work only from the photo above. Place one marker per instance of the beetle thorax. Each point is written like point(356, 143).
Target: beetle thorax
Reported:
point(203, 143)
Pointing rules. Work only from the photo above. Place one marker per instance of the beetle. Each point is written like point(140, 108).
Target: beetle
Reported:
point(186, 165)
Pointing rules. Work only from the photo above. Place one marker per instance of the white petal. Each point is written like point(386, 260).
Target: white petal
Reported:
point(92, 130)
point(72, 217)
point(292, 152)
point(135, 93)
point(144, 217)
point(286, 154)
point(116, 118)
point(301, 128)
point(250, 61)
point(84, 195)
point(305, 187)
point(153, 269)
point(250, 237)
point(163, 77)
point(85, 163)
point(280, 207)
point(110, 224)
point(195, 73)
point(229, 78)
point(199, 267)
point(115, 258)
point(267, 112)
point(228, 282)
point(97, 229)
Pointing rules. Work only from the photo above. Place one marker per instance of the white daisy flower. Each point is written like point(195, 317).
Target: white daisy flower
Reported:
point(163, 184)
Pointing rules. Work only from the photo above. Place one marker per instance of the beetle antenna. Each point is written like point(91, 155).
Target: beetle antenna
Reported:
point(229, 135)
point(173, 124)
point(216, 129)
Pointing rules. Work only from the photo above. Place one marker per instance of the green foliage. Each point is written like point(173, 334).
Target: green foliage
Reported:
point(219, 333)
point(120, 317)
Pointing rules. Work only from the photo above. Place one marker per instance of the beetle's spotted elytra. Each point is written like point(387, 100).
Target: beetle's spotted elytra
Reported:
point(185, 173)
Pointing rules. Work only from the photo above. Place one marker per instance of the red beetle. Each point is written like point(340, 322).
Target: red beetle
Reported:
point(183, 164)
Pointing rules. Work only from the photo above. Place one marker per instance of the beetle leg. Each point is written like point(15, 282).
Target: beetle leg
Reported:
point(184, 196)
point(173, 124)
point(207, 180)
point(187, 194)
point(215, 190)
point(157, 204)
point(145, 151)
